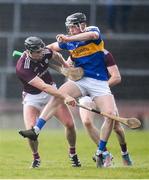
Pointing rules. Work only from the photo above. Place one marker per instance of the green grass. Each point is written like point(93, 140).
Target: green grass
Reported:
point(15, 157)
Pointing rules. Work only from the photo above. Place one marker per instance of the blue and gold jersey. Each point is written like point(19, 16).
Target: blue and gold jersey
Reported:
point(89, 55)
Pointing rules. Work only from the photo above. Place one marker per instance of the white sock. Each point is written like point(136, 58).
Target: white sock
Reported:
point(105, 153)
point(36, 129)
point(124, 153)
point(98, 152)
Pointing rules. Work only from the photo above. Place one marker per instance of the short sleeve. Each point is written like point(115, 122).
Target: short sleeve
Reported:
point(109, 59)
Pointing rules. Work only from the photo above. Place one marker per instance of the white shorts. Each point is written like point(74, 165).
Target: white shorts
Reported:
point(85, 99)
point(36, 100)
point(93, 87)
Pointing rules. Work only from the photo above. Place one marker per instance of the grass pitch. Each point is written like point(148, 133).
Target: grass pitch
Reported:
point(15, 157)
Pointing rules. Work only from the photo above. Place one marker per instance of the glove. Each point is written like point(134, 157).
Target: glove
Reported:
point(72, 73)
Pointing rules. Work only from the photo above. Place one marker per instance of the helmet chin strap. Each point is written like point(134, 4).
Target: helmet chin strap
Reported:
point(81, 29)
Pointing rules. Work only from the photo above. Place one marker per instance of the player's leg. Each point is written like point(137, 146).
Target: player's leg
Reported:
point(120, 133)
point(45, 115)
point(73, 90)
point(119, 130)
point(106, 104)
point(64, 116)
point(30, 114)
point(87, 118)
point(70, 88)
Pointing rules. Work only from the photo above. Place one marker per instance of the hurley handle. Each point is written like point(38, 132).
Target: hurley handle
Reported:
point(16, 53)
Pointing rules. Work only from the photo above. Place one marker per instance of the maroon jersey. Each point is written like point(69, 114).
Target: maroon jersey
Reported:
point(109, 59)
point(27, 69)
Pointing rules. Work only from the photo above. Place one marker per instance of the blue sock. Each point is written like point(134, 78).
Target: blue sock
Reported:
point(102, 145)
point(40, 123)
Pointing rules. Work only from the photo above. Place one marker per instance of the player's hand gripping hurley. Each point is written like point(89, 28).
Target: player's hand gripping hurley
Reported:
point(132, 123)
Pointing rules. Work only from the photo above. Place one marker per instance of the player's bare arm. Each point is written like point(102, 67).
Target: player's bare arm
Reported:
point(115, 77)
point(54, 46)
point(59, 58)
point(78, 37)
point(40, 84)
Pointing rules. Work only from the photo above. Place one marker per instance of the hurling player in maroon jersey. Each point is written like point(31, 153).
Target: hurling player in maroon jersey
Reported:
point(39, 88)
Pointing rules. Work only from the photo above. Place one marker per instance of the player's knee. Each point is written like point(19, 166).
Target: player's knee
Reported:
point(110, 112)
point(87, 123)
point(108, 120)
point(118, 128)
point(70, 125)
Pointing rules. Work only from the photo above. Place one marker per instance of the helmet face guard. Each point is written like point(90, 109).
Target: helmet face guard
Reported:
point(34, 44)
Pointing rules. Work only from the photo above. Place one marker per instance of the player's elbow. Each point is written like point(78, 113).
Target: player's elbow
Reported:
point(94, 35)
point(54, 46)
point(117, 79)
point(45, 88)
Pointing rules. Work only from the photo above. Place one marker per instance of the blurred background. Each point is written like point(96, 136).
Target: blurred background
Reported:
point(124, 25)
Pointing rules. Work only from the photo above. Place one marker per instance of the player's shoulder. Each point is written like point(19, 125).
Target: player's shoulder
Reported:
point(48, 52)
point(23, 63)
point(22, 59)
point(106, 51)
point(92, 28)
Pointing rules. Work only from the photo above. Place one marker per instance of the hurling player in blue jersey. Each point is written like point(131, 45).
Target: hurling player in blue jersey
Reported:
point(86, 49)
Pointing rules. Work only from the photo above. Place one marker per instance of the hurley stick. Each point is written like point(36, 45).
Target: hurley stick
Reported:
point(132, 123)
